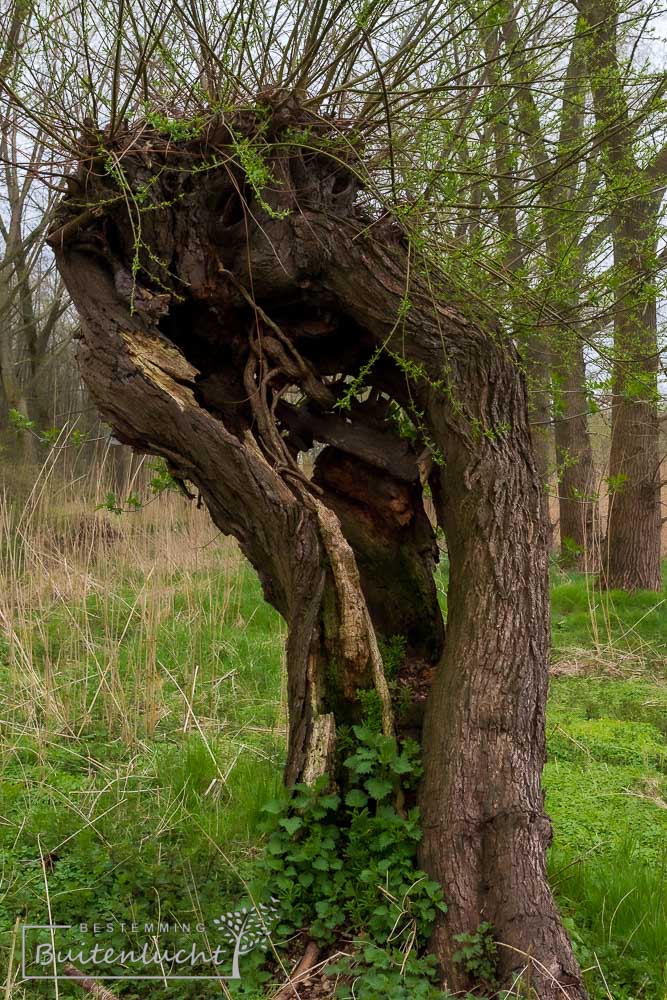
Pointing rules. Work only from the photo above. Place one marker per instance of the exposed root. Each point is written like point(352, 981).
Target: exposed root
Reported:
point(301, 973)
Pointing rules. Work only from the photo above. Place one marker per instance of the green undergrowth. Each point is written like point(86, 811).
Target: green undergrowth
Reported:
point(615, 906)
point(344, 863)
point(136, 761)
point(609, 628)
point(606, 784)
point(138, 749)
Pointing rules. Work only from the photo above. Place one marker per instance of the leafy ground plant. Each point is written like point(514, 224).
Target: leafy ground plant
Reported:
point(344, 863)
point(143, 726)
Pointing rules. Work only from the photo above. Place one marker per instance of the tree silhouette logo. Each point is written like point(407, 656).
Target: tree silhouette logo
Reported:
point(246, 929)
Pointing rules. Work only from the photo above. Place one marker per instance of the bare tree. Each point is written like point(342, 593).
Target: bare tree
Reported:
point(32, 297)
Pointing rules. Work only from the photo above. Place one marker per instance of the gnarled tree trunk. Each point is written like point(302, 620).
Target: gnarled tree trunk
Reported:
point(230, 351)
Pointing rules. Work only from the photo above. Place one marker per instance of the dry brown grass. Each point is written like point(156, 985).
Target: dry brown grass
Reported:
point(98, 574)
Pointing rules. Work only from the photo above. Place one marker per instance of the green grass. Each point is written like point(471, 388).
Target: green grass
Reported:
point(594, 622)
point(616, 910)
point(606, 784)
point(143, 726)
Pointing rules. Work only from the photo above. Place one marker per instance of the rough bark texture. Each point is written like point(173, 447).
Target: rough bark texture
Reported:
point(632, 550)
point(228, 359)
point(488, 700)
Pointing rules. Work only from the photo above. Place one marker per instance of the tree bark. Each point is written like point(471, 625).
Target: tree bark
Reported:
point(201, 359)
point(484, 729)
point(577, 489)
point(632, 548)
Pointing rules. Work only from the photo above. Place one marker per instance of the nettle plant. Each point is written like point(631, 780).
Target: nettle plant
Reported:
point(342, 862)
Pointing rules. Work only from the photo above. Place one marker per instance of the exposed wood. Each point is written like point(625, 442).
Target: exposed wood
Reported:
point(379, 448)
point(394, 544)
point(301, 973)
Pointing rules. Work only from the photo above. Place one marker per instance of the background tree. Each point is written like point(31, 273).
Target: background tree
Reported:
point(33, 325)
point(541, 229)
point(566, 180)
point(524, 201)
point(627, 107)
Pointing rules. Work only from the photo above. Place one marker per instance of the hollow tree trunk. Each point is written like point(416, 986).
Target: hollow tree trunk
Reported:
point(196, 360)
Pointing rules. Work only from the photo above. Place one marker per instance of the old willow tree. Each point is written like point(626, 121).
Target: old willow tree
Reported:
point(242, 300)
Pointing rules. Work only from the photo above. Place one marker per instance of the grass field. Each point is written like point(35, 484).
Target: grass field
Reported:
point(142, 727)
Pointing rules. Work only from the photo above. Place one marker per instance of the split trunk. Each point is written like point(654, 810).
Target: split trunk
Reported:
point(251, 318)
